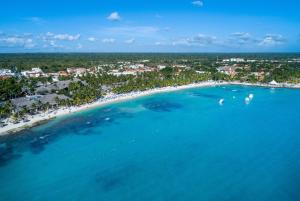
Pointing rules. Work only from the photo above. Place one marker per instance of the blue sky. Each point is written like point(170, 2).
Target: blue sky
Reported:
point(150, 26)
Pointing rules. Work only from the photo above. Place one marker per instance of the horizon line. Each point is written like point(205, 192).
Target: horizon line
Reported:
point(279, 52)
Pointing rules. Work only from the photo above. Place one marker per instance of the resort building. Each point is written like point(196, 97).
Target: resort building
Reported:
point(237, 60)
point(31, 103)
point(57, 86)
point(259, 75)
point(201, 72)
point(135, 66)
point(63, 73)
point(35, 72)
point(160, 67)
point(5, 73)
point(228, 70)
point(77, 72)
point(117, 73)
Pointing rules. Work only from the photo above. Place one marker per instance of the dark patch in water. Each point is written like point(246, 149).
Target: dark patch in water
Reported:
point(7, 154)
point(37, 139)
point(111, 183)
point(112, 179)
point(38, 144)
point(204, 95)
point(162, 106)
point(80, 124)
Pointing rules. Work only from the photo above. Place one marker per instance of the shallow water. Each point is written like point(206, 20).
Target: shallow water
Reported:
point(175, 146)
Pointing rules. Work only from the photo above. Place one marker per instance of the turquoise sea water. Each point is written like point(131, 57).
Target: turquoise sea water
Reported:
point(178, 146)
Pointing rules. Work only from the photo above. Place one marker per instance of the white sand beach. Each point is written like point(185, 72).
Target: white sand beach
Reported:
point(112, 98)
point(108, 99)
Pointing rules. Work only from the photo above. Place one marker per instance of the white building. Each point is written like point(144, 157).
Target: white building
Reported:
point(228, 70)
point(180, 66)
point(226, 60)
point(117, 73)
point(160, 67)
point(6, 72)
point(200, 72)
point(78, 72)
point(35, 72)
point(135, 66)
point(237, 60)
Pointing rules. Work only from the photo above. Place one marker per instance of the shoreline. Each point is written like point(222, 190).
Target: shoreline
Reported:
point(114, 98)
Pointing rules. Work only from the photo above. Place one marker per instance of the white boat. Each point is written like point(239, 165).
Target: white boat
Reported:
point(251, 96)
point(247, 100)
point(221, 101)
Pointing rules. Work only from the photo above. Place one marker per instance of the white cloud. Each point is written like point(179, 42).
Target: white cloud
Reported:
point(92, 39)
point(272, 39)
point(12, 40)
point(66, 37)
point(199, 40)
point(242, 35)
point(198, 3)
point(63, 37)
point(51, 40)
point(114, 16)
point(49, 34)
point(183, 41)
point(108, 40)
point(241, 38)
point(204, 39)
point(130, 41)
point(28, 44)
point(53, 44)
point(23, 41)
point(235, 40)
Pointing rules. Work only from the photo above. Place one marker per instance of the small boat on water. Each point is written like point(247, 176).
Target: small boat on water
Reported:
point(221, 101)
point(247, 100)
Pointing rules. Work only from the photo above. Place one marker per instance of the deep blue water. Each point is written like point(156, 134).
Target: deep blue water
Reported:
point(179, 146)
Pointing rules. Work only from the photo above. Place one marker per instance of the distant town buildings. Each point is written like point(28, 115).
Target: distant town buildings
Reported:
point(228, 70)
point(77, 72)
point(237, 60)
point(160, 67)
point(119, 73)
point(180, 66)
point(4, 73)
point(135, 66)
point(35, 72)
